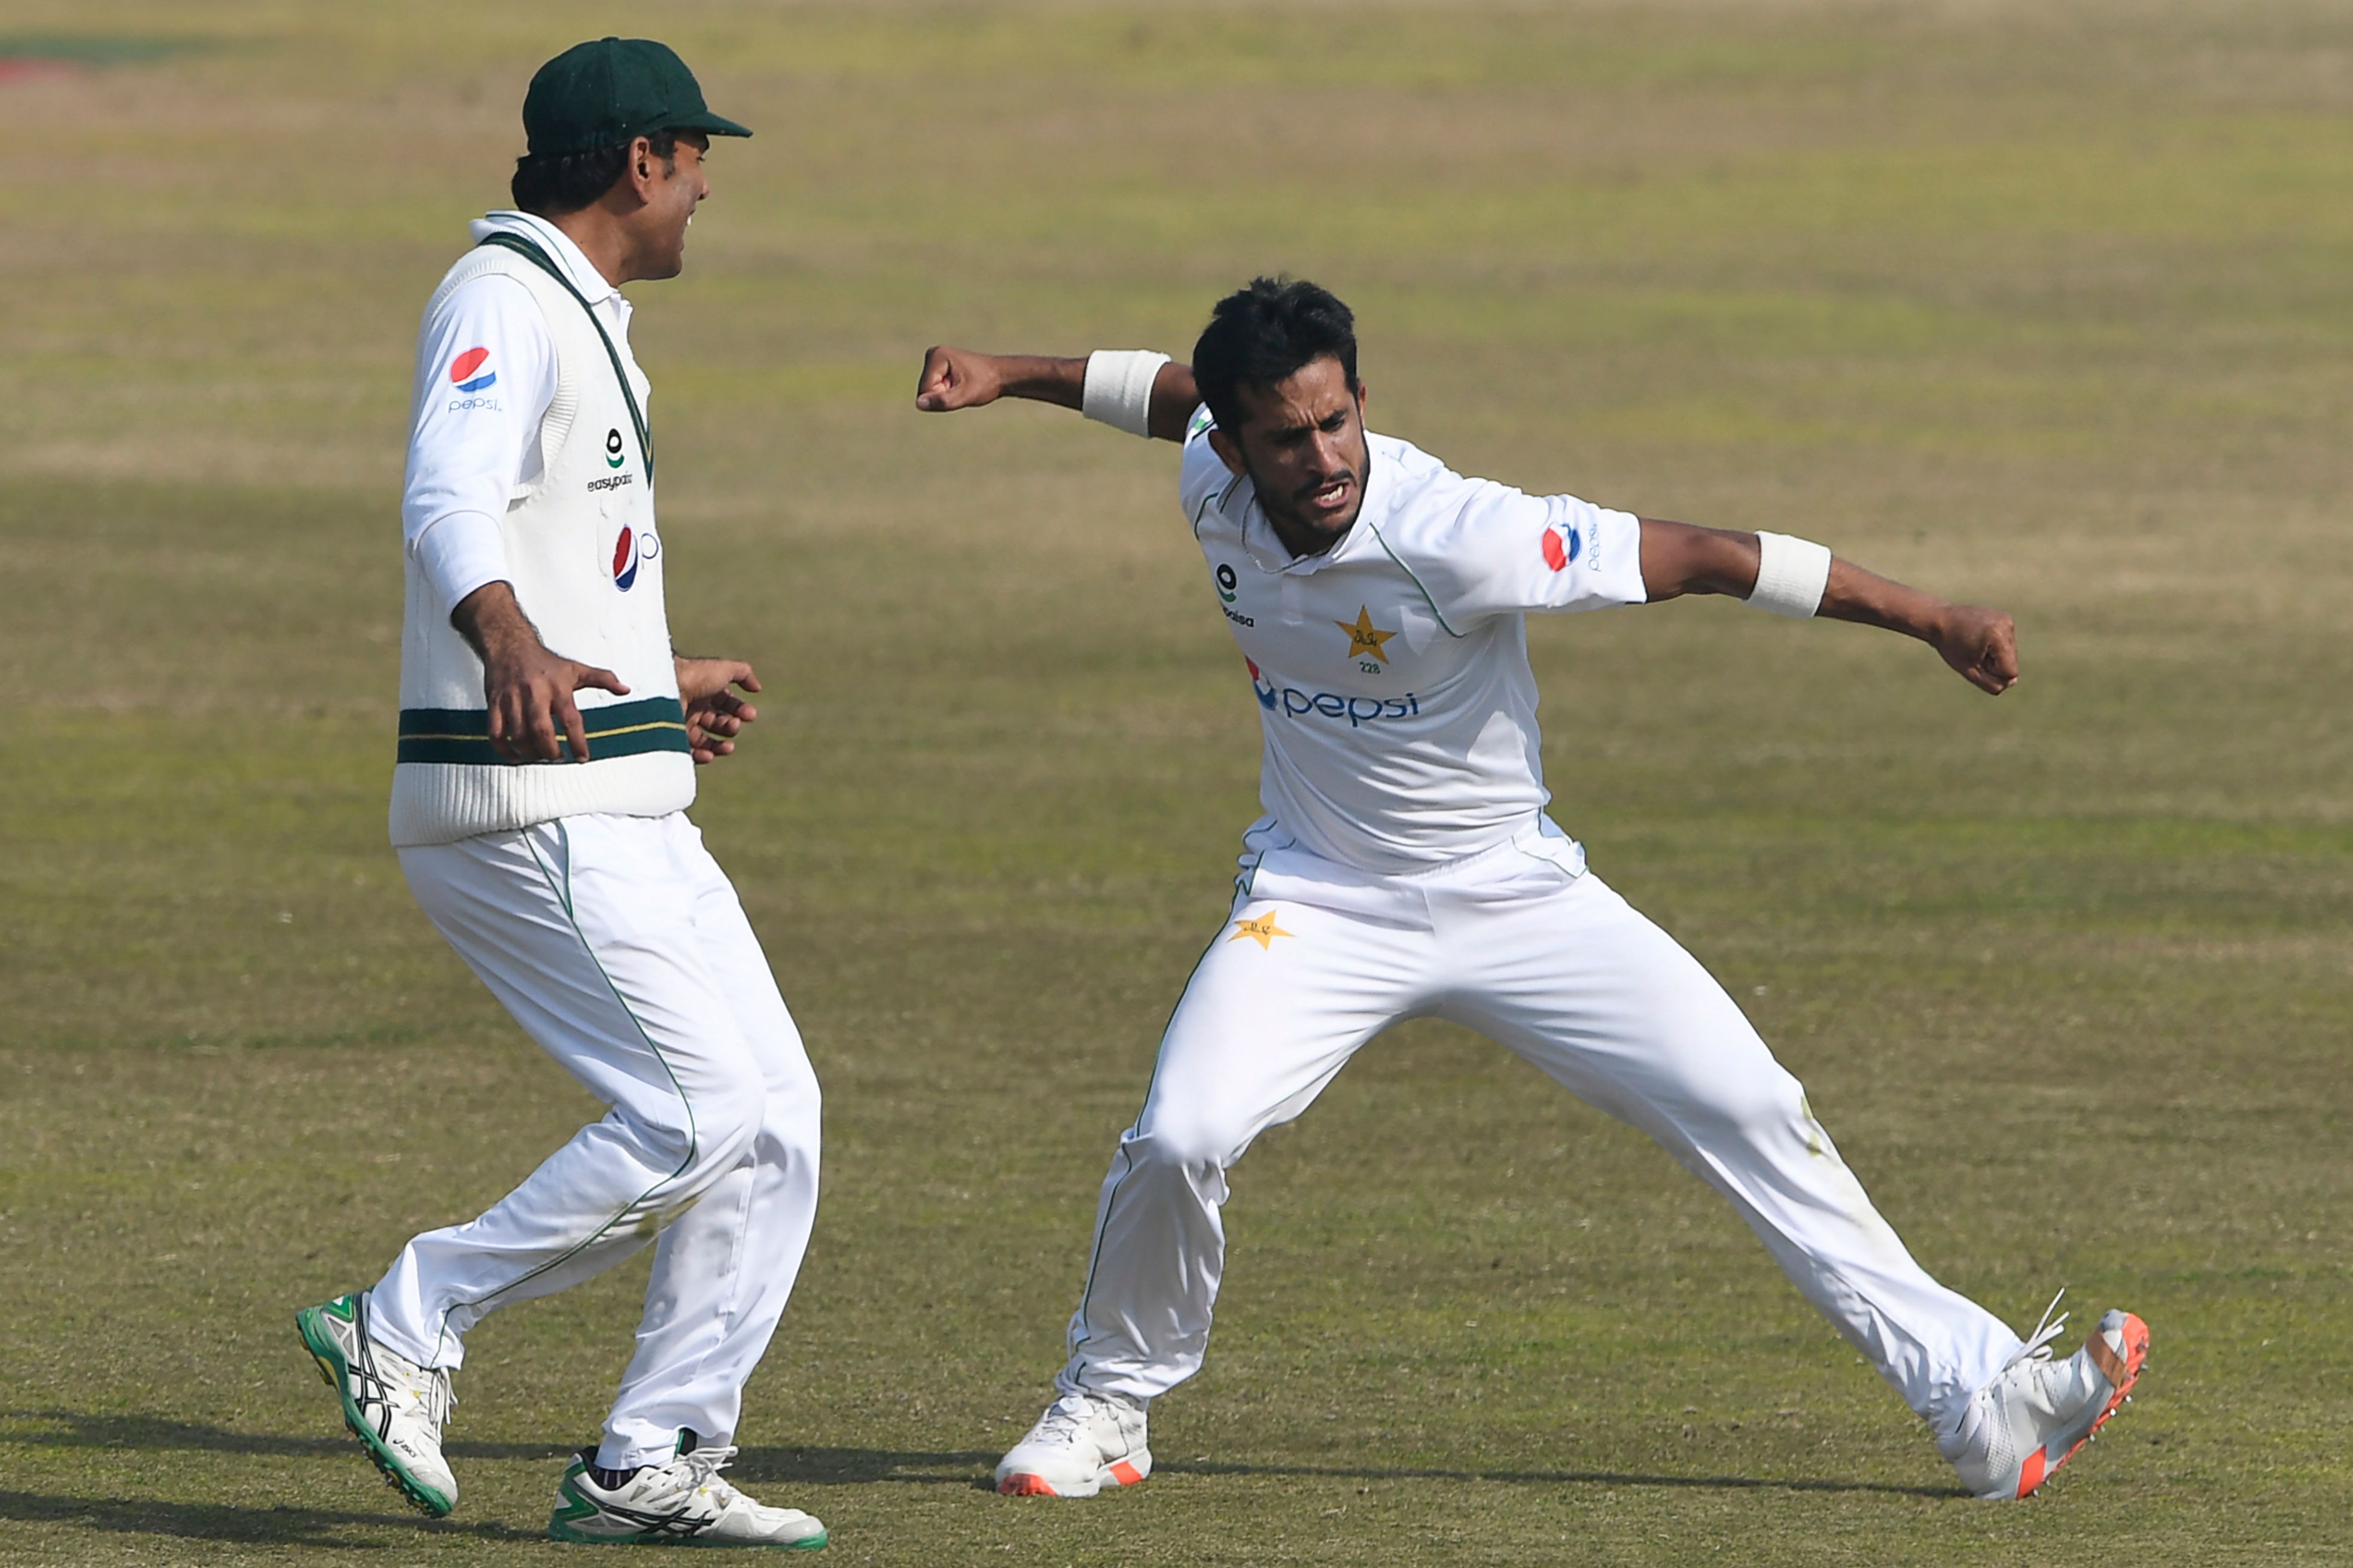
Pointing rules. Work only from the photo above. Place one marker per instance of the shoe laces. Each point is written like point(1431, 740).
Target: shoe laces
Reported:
point(428, 1387)
point(1069, 1416)
point(2038, 1343)
point(434, 1400)
point(703, 1467)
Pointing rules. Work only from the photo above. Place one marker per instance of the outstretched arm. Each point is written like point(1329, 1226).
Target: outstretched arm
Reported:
point(960, 378)
point(1979, 643)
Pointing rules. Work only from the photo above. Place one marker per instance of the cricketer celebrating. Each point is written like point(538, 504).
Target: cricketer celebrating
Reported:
point(1405, 868)
point(548, 741)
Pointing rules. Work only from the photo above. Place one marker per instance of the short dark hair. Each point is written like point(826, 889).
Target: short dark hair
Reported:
point(1265, 333)
point(552, 184)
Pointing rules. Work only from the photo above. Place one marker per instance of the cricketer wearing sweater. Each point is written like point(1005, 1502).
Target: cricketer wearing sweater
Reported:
point(548, 741)
point(1406, 868)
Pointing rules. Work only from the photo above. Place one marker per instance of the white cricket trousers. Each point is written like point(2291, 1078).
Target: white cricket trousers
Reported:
point(618, 945)
point(1521, 944)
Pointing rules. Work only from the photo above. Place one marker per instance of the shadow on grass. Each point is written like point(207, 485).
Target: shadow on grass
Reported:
point(1550, 1477)
point(794, 1465)
point(72, 1429)
point(221, 1521)
point(823, 1467)
point(858, 1467)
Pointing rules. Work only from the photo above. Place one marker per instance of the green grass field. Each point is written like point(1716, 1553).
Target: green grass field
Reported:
point(2044, 306)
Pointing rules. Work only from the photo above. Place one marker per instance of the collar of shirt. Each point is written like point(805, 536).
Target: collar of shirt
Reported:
point(601, 292)
point(1271, 555)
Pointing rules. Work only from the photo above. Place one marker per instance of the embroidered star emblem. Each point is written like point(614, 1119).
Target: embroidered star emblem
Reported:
point(1364, 637)
point(1262, 931)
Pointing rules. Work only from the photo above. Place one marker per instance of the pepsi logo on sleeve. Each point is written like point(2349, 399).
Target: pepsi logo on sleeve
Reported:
point(1561, 545)
point(468, 372)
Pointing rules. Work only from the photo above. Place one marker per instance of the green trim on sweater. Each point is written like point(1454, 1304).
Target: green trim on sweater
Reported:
point(617, 729)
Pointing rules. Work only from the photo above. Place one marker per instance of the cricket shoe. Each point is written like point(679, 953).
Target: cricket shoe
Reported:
point(2034, 1414)
point(1082, 1443)
point(394, 1407)
point(686, 1502)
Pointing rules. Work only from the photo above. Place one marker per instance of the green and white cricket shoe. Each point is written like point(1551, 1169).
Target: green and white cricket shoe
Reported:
point(1082, 1443)
point(686, 1502)
point(394, 1407)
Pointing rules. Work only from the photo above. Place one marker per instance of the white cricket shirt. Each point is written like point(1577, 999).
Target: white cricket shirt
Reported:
point(1391, 672)
point(485, 370)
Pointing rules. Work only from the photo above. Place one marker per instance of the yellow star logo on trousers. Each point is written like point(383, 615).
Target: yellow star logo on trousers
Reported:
point(1262, 931)
point(1364, 637)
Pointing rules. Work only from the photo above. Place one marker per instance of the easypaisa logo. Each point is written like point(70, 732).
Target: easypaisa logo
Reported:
point(613, 456)
point(1229, 586)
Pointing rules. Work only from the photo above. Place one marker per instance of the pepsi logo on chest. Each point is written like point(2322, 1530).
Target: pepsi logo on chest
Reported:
point(630, 551)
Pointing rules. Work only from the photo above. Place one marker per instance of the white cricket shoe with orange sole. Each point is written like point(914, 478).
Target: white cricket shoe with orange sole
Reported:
point(1082, 1443)
point(2030, 1419)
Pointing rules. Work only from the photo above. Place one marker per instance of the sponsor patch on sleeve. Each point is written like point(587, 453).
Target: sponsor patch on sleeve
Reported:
point(1562, 545)
point(469, 370)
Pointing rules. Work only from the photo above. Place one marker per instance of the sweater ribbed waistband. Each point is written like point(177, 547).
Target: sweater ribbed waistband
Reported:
point(617, 730)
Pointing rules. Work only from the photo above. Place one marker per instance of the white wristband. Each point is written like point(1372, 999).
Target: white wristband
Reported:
point(1791, 575)
point(1118, 389)
point(461, 552)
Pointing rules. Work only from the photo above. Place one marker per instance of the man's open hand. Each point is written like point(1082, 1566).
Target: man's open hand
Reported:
point(1981, 643)
point(527, 688)
point(958, 378)
point(714, 715)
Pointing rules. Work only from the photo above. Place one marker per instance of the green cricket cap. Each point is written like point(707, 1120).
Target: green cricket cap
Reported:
point(611, 90)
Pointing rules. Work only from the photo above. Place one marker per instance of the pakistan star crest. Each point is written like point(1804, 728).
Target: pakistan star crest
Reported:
point(1364, 637)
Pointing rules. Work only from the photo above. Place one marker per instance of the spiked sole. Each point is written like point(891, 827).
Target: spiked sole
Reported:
point(1019, 1485)
point(336, 1373)
point(2036, 1470)
point(1025, 1483)
point(573, 1506)
point(558, 1531)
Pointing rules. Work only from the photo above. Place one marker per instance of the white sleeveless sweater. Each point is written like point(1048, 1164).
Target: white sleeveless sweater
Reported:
point(585, 561)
